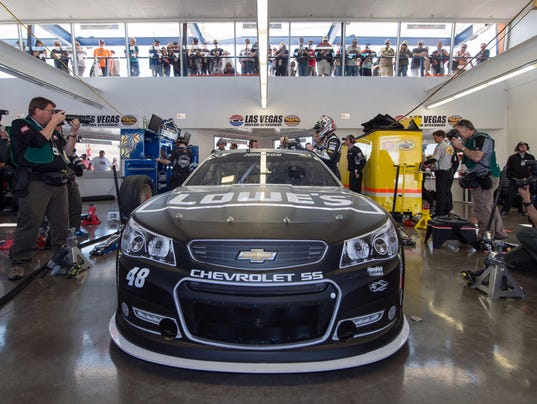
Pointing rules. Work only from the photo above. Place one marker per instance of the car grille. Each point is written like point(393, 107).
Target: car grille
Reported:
point(261, 317)
point(288, 254)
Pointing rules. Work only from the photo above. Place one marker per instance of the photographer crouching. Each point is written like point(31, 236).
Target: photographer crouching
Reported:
point(40, 180)
point(525, 255)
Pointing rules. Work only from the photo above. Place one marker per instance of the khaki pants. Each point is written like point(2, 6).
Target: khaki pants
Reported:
point(42, 199)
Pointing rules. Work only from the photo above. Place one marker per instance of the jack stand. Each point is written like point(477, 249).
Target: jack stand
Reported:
point(73, 262)
point(425, 217)
point(497, 282)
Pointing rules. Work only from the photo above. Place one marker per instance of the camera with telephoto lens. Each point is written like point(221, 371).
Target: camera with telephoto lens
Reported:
point(531, 181)
point(452, 134)
point(84, 119)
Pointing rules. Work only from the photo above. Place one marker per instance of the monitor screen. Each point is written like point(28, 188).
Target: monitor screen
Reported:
point(169, 133)
point(155, 123)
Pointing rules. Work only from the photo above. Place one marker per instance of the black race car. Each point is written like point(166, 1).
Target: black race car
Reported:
point(261, 262)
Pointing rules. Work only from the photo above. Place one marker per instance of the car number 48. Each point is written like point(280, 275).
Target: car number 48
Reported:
point(136, 276)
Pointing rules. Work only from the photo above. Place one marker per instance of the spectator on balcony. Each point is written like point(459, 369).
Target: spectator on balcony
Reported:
point(386, 60)
point(462, 56)
point(216, 60)
point(281, 60)
point(39, 51)
point(102, 56)
point(404, 56)
point(439, 58)
point(420, 60)
point(367, 55)
point(483, 54)
point(195, 58)
point(165, 61)
point(352, 59)
point(324, 54)
point(80, 59)
point(312, 62)
point(133, 58)
point(60, 56)
point(246, 58)
point(154, 59)
point(301, 54)
point(229, 70)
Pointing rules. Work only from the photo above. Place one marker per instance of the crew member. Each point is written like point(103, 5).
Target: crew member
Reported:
point(180, 160)
point(253, 144)
point(330, 143)
point(41, 179)
point(355, 164)
point(443, 173)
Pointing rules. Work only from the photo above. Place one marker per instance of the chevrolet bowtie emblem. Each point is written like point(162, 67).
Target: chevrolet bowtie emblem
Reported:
point(257, 255)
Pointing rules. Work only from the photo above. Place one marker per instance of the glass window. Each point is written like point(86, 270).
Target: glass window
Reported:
point(147, 57)
point(429, 35)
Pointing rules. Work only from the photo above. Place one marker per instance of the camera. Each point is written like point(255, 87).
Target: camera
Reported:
point(84, 119)
point(4, 112)
point(452, 134)
point(531, 181)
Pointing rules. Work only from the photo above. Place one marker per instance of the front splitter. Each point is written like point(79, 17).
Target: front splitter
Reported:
point(239, 367)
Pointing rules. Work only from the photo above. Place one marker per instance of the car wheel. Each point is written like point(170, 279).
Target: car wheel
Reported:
point(134, 190)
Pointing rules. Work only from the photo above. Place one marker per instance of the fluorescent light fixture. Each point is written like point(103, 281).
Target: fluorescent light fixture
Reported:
point(498, 79)
point(262, 41)
point(441, 102)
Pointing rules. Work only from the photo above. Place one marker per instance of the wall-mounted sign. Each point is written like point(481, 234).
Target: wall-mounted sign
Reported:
point(264, 121)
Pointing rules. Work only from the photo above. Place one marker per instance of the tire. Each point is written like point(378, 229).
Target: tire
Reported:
point(134, 190)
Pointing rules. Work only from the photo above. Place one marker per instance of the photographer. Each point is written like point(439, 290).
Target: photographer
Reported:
point(479, 158)
point(516, 169)
point(525, 255)
point(40, 180)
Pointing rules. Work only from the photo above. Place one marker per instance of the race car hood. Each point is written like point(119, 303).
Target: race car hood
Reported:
point(260, 211)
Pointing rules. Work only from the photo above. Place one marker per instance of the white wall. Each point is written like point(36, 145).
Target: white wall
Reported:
point(208, 102)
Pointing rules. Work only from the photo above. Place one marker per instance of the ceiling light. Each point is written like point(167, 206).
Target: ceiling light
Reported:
point(498, 79)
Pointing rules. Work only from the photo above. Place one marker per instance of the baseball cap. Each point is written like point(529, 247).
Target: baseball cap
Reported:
point(387, 41)
point(349, 136)
point(156, 40)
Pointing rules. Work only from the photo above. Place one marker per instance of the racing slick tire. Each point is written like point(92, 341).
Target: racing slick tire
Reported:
point(134, 190)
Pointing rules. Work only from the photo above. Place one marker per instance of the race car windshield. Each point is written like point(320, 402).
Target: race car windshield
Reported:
point(271, 167)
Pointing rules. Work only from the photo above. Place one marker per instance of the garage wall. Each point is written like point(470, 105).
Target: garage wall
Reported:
point(209, 102)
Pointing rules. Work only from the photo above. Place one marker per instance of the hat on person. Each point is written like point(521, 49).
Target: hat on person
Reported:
point(325, 38)
point(221, 141)
point(349, 136)
point(156, 41)
point(404, 43)
point(387, 41)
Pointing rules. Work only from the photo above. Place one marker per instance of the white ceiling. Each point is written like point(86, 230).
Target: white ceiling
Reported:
point(29, 11)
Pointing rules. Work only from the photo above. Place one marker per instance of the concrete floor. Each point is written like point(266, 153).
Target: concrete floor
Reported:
point(55, 347)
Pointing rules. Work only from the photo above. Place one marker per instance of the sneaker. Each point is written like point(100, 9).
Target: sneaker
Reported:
point(15, 273)
point(468, 277)
point(81, 233)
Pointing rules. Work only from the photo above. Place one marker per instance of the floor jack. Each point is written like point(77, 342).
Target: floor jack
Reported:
point(494, 279)
point(69, 261)
point(91, 218)
point(108, 245)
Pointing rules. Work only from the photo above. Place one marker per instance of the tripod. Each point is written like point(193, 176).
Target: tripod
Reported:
point(494, 278)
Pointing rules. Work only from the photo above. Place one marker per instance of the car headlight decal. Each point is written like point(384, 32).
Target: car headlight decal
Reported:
point(379, 244)
point(141, 243)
